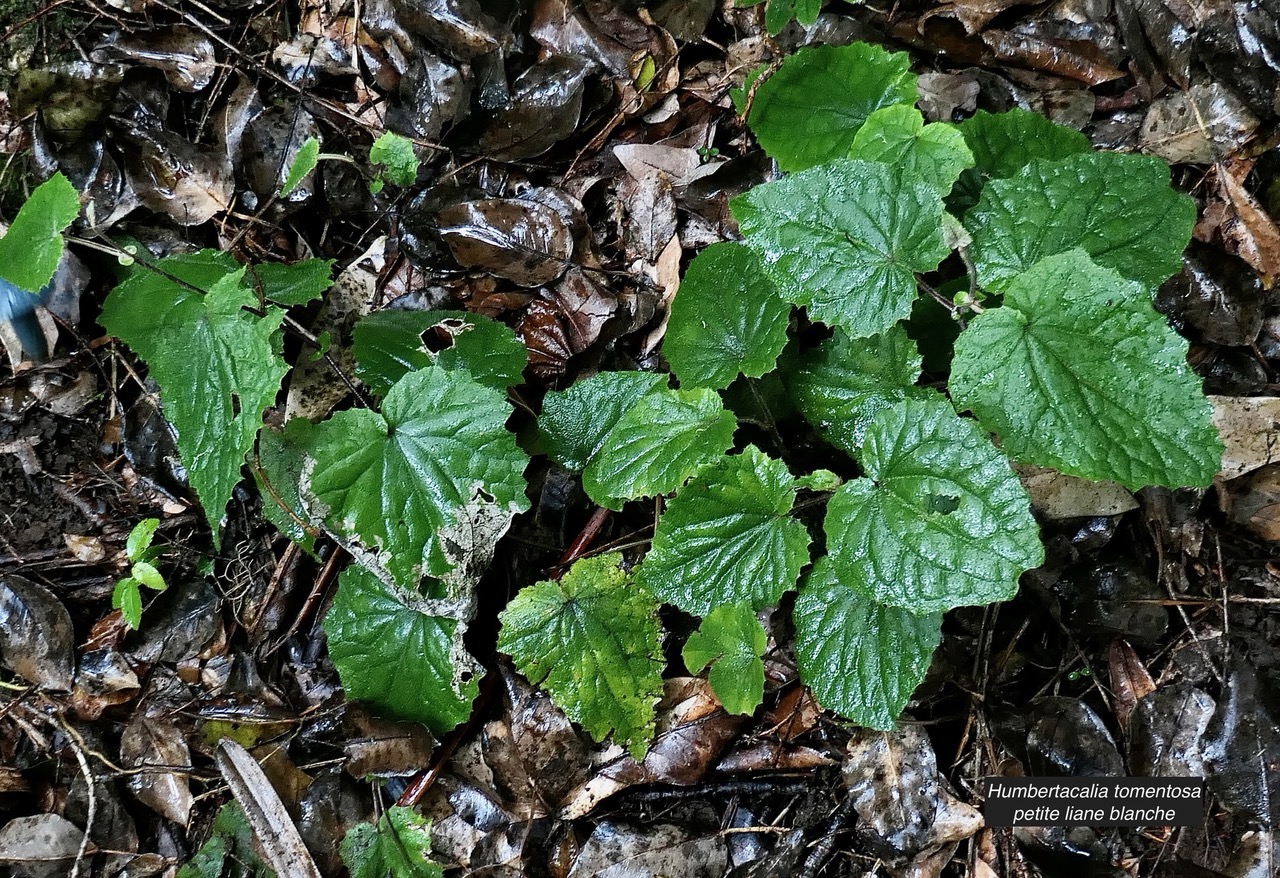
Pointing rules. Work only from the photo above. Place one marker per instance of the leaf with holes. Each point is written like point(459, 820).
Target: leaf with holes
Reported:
point(846, 240)
point(1079, 372)
point(732, 641)
point(728, 538)
point(592, 641)
point(940, 520)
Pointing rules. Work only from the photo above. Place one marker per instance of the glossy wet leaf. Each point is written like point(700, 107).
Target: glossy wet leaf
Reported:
point(841, 383)
point(386, 483)
point(397, 845)
point(810, 109)
point(727, 319)
point(897, 136)
point(728, 538)
point(147, 574)
point(303, 163)
point(524, 241)
point(1120, 209)
point(218, 366)
point(846, 240)
point(940, 520)
point(732, 641)
point(779, 13)
point(1077, 371)
point(295, 284)
point(37, 641)
point(389, 344)
point(862, 659)
point(393, 656)
point(30, 250)
point(397, 157)
point(139, 539)
point(662, 439)
point(592, 642)
point(1003, 144)
point(574, 422)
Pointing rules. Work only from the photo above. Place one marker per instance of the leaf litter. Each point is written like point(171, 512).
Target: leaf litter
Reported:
point(574, 157)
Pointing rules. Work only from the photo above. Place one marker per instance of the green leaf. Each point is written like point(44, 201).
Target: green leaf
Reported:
point(232, 836)
point(939, 521)
point(591, 640)
point(303, 163)
point(846, 240)
point(732, 641)
point(127, 598)
point(574, 422)
point(147, 574)
point(821, 480)
point(398, 845)
point(840, 385)
point(135, 547)
point(387, 483)
point(664, 438)
point(861, 659)
point(1120, 209)
point(726, 319)
point(393, 656)
point(395, 153)
point(388, 344)
point(728, 538)
point(218, 366)
point(808, 112)
point(30, 251)
point(281, 456)
point(1078, 372)
point(295, 284)
point(897, 136)
point(1004, 143)
point(779, 13)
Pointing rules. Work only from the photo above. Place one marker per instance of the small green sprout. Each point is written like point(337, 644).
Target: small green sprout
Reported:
point(127, 596)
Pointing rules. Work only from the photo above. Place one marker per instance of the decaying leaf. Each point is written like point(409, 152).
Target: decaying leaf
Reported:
point(36, 638)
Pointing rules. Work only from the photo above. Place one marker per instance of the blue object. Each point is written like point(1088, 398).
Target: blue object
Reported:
point(18, 308)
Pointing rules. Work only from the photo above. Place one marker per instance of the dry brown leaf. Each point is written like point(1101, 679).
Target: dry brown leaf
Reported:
point(1251, 233)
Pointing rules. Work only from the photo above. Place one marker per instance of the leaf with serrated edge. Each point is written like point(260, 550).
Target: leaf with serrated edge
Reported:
point(294, 284)
point(1079, 372)
point(393, 656)
point(809, 110)
point(839, 385)
point(897, 136)
point(387, 344)
point(396, 154)
point(861, 659)
point(592, 641)
point(574, 422)
point(728, 538)
point(30, 250)
point(1120, 209)
point(940, 520)
point(664, 438)
point(398, 846)
point(387, 483)
point(846, 239)
point(1004, 143)
point(732, 641)
point(218, 366)
point(727, 319)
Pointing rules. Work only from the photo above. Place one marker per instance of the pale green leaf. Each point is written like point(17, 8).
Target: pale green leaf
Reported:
point(821, 480)
point(732, 641)
point(840, 384)
point(574, 422)
point(728, 538)
point(396, 155)
point(393, 656)
point(1004, 143)
point(940, 520)
point(30, 251)
point(218, 366)
point(1079, 372)
point(727, 319)
point(861, 659)
point(809, 110)
point(387, 484)
point(592, 641)
point(397, 846)
point(135, 547)
point(846, 240)
point(388, 344)
point(294, 284)
point(147, 574)
point(1120, 209)
point(127, 598)
point(303, 163)
point(897, 136)
point(661, 440)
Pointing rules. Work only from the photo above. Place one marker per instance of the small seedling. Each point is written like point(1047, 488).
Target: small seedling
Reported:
point(127, 596)
point(392, 156)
